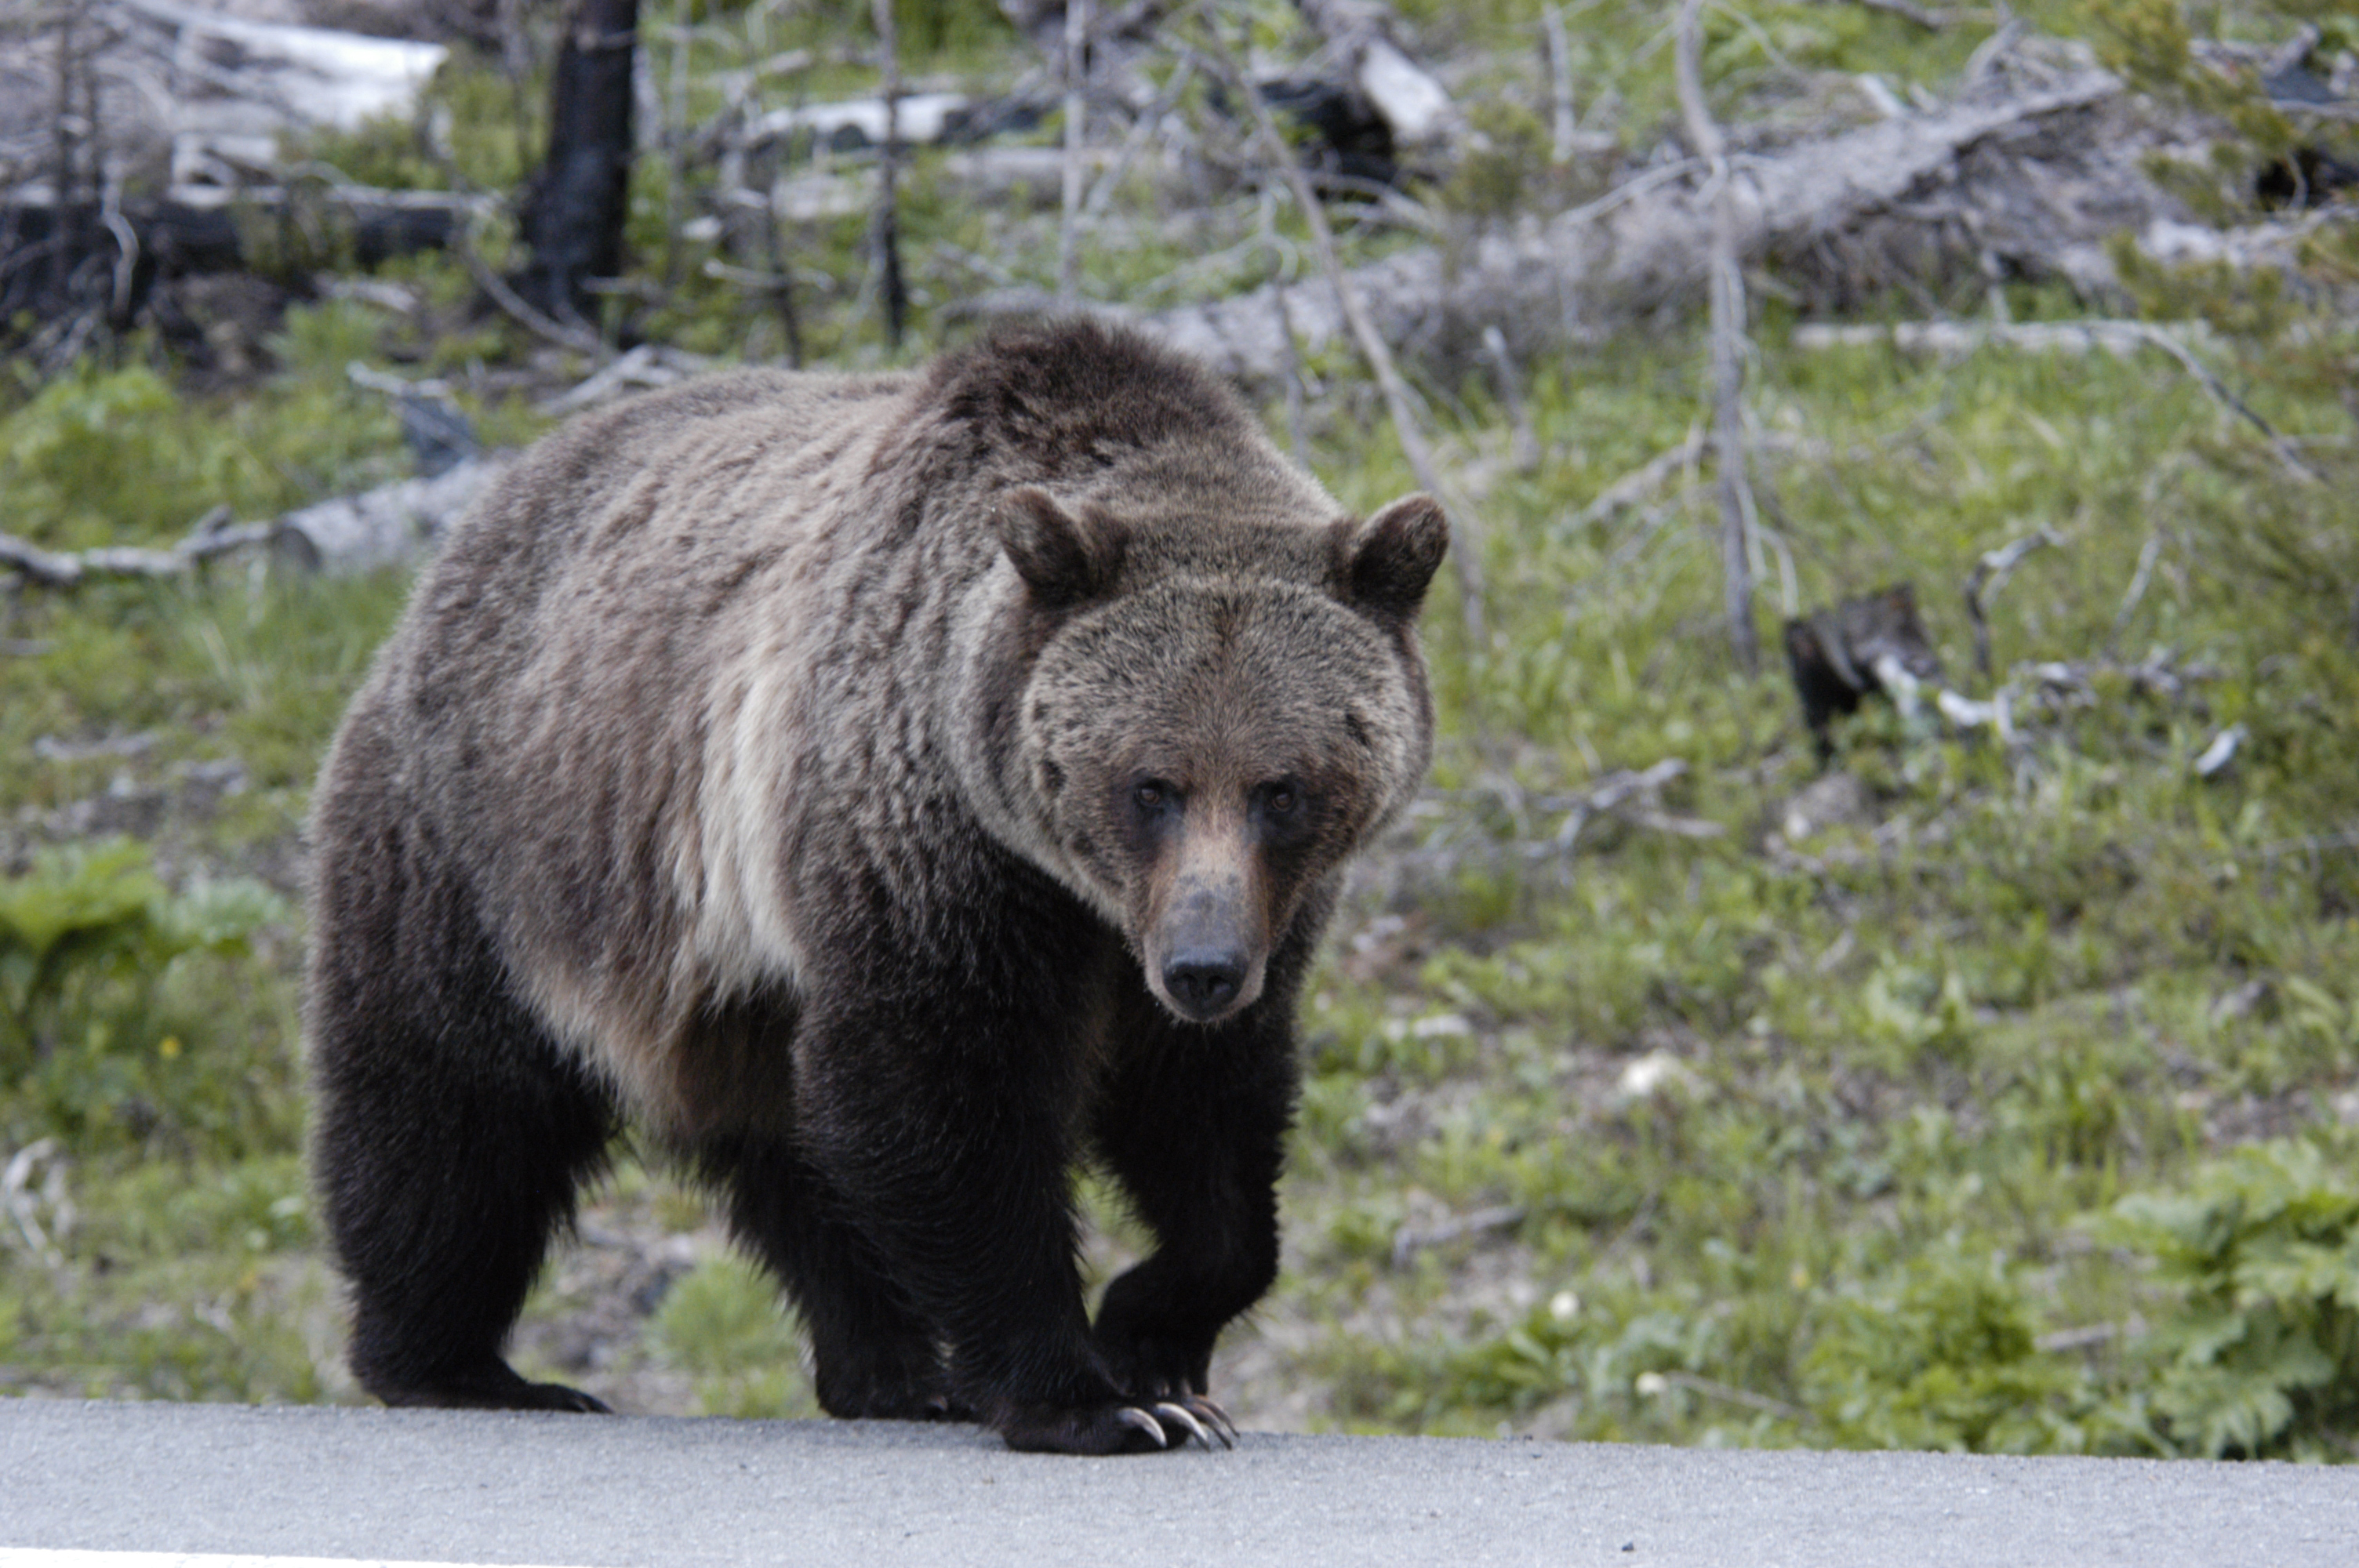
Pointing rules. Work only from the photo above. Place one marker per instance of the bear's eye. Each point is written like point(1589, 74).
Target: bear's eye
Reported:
point(1280, 799)
point(1151, 795)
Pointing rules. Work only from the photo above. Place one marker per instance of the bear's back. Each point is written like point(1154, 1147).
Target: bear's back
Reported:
point(562, 648)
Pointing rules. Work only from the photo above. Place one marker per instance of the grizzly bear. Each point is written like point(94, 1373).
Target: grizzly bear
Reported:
point(888, 793)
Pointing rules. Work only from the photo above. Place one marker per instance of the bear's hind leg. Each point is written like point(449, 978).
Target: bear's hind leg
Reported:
point(442, 1198)
point(451, 1132)
point(872, 1356)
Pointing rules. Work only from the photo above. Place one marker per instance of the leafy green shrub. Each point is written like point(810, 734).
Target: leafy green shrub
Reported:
point(1944, 1357)
point(79, 916)
point(97, 455)
point(2261, 1357)
point(113, 454)
point(88, 940)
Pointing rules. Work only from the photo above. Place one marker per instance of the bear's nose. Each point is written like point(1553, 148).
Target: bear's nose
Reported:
point(1203, 980)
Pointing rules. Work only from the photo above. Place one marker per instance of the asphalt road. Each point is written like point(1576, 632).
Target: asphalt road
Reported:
point(81, 1481)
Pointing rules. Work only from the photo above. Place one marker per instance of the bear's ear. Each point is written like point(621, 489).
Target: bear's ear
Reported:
point(1387, 562)
point(1065, 557)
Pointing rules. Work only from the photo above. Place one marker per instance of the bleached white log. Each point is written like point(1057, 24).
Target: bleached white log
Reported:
point(1413, 104)
point(384, 527)
point(317, 75)
point(919, 117)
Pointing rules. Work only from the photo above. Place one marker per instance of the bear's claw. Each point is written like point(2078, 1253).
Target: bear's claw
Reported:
point(1130, 1415)
point(1169, 1411)
point(1205, 1421)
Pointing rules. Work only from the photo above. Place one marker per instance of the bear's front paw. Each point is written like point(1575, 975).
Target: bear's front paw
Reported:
point(1119, 1428)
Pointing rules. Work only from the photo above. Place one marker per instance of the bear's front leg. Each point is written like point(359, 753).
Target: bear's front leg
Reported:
point(936, 1106)
point(1193, 1124)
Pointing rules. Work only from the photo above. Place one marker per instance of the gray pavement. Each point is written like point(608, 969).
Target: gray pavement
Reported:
point(618, 1492)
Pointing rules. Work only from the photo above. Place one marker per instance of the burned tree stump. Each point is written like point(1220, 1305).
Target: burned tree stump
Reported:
point(572, 211)
point(1842, 655)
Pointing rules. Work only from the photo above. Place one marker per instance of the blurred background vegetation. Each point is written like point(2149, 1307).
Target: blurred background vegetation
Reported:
point(1974, 1090)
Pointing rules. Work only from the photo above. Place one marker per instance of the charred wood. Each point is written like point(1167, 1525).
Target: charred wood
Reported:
point(572, 213)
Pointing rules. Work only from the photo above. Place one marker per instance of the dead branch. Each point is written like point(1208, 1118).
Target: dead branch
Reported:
point(1525, 450)
point(2101, 334)
point(1728, 348)
point(1282, 259)
point(1562, 125)
point(1466, 555)
point(2140, 575)
point(2220, 394)
point(1409, 1240)
point(1632, 795)
point(643, 367)
point(1729, 1392)
point(51, 569)
point(1068, 248)
point(1990, 575)
point(1642, 481)
point(581, 339)
point(1931, 21)
point(1143, 128)
point(24, 1202)
point(342, 536)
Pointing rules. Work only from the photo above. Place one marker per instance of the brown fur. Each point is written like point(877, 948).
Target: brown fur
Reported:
point(820, 770)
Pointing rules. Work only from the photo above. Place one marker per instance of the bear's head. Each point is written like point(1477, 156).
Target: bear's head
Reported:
point(1216, 717)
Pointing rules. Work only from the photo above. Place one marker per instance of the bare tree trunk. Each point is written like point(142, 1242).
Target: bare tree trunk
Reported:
point(78, 174)
point(1726, 287)
point(69, 157)
point(885, 228)
point(1068, 243)
point(574, 211)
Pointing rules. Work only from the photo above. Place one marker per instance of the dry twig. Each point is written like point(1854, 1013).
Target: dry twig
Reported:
point(1641, 482)
point(579, 339)
point(1526, 451)
point(1990, 575)
point(1931, 21)
point(1409, 1240)
point(1562, 123)
point(213, 536)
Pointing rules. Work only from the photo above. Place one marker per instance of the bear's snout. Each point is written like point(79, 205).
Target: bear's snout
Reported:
point(1204, 980)
point(1207, 961)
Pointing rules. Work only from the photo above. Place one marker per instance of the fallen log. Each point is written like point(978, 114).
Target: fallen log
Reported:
point(1647, 243)
point(384, 527)
point(340, 538)
point(207, 229)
